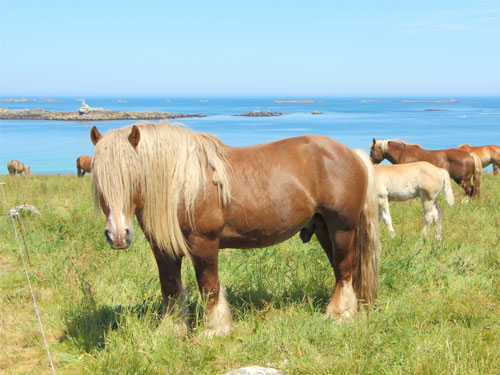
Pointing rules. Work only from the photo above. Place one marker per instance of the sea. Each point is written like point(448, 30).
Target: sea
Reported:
point(52, 147)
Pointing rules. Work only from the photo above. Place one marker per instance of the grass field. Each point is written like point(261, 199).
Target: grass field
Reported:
point(438, 310)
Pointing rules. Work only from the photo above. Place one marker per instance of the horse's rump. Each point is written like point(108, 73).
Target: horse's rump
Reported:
point(83, 165)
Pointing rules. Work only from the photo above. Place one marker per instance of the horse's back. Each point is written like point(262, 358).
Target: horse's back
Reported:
point(404, 181)
point(313, 161)
point(495, 152)
point(457, 162)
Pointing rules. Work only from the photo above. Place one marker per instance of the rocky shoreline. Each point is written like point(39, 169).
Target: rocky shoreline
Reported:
point(106, 115)
point(42, 114)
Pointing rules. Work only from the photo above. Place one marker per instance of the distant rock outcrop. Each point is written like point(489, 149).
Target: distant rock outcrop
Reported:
point(257, 113)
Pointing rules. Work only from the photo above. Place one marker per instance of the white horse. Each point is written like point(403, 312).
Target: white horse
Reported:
point(400, 182)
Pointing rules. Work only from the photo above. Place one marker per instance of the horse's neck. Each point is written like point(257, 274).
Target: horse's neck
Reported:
point(394, 152)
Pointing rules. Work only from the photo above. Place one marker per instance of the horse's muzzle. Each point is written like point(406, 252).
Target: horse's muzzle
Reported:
point(118, 242)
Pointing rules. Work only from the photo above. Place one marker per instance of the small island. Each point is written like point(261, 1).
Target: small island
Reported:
point(257, 113)
point(17, 100)
point(429, 101)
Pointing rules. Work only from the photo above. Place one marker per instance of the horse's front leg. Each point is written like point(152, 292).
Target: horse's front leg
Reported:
point(205, 256)
point(495, 168)
point(385, 213)
point(169, 268)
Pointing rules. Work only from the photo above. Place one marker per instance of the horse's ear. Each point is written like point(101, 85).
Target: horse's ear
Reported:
point(95, 135)
point(134, 136)
point(374, 141)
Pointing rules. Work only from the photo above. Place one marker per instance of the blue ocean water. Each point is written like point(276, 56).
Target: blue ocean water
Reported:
point(52, 146)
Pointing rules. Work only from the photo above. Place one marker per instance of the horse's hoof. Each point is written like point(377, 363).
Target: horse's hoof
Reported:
point(220, 331)
point(180, 329)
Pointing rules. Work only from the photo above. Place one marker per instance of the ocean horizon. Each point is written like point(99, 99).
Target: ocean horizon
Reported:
point(50, 147)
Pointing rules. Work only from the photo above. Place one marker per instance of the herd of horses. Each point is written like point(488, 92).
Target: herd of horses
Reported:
point(193, 195)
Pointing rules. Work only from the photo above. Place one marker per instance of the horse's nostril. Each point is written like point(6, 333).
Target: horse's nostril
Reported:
point(128, 235)
point(106, 234)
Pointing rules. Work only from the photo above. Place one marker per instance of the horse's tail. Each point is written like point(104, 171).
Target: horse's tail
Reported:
point(448, 192)
point(78, 167)
point(367, 241)
point(476, 179)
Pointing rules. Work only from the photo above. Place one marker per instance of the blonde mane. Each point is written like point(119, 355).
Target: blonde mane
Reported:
point(383, 144)
point(170, 161)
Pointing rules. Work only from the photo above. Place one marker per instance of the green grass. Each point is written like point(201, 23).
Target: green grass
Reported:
point(438, 310)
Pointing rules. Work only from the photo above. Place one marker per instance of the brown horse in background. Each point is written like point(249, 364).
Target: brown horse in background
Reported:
point(460, 164)
point(83, 164)
point(194, 195)
point(16, 167)
point(488, 154)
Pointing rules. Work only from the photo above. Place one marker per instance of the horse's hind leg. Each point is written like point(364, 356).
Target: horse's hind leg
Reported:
point(437, 220)
point(205, 257)
point(495, 164)
point(428, 208)
point(173, 293)
point(338, 246)
point(467, 186)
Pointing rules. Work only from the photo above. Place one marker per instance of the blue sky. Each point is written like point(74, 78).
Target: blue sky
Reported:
point(239, 47)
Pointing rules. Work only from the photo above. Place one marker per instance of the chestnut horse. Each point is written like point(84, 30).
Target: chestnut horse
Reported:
point(193, 195)
point(16, 167)
point(460, 164)
point(400, 182)
point(83, 165)
point(488, 154)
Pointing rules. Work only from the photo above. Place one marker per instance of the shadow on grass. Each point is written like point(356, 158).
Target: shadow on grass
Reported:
point(261, 298)
point(87, 328)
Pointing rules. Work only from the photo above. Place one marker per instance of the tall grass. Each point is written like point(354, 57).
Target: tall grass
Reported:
point(438, 310)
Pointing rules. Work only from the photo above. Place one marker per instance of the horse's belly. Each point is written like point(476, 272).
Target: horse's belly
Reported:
point(403, 193)
point(265, 229)
point(258, 237)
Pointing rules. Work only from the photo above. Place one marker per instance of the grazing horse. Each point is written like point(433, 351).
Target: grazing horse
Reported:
point(193, 195)
point(83, 165)
point(16, 167)
point(488, 154)
point(400, 182)
point(460, 164)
